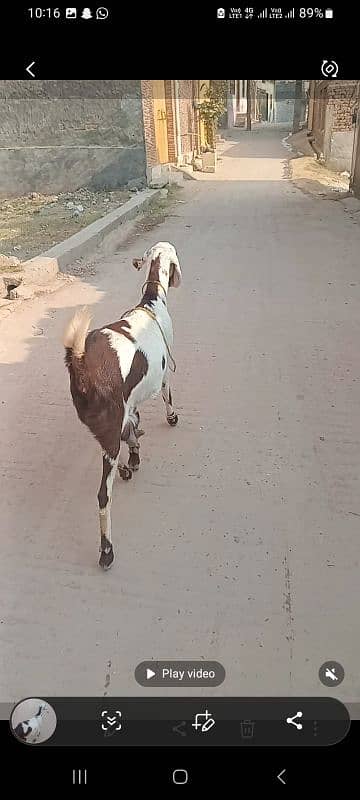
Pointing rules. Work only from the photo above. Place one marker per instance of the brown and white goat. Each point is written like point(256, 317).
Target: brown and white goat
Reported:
point(116, 368)
point(30, 729)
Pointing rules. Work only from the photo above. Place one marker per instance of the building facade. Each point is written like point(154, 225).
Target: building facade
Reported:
point(271, 102)
point(99, 134)
point(237, 103)
point(331, 121)
point(284, 102)
point(265, 101)
point(172, 128)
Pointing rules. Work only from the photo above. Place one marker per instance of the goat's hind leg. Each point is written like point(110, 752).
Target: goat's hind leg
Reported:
point(171, 416)
point(104, 500)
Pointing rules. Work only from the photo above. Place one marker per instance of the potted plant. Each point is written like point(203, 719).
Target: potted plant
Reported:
point(211, 108)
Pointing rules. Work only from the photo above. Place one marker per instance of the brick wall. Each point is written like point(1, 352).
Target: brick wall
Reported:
point(342, 101)
point(332, 121)
point(149, 125)
point(170, 112)
point(339, 97)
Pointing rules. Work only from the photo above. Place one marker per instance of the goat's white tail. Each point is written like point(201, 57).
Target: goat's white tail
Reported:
point(76, 332)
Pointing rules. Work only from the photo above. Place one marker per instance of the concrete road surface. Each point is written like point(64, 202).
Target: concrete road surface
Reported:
point(239, 539)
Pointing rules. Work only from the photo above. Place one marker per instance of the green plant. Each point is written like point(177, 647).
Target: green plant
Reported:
point(211, 108)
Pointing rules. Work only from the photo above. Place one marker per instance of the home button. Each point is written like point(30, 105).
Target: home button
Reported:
point(180, 776)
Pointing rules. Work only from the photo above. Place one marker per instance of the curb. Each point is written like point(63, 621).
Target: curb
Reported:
point(42, 274)
point(94, 235)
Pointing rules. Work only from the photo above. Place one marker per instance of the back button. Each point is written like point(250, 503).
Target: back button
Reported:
point(282, 777)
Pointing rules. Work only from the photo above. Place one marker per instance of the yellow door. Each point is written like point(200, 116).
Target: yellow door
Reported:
point(160, 121)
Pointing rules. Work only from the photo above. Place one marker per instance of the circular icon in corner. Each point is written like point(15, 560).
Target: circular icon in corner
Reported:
point(329, 69)
point(33, 721)
point(331, 673)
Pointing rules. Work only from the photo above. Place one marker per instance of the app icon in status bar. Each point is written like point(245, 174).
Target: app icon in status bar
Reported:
point(86, 13)
point(102, 13)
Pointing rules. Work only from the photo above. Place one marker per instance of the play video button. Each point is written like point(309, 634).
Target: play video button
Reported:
point(180, 673)
point(150, 673)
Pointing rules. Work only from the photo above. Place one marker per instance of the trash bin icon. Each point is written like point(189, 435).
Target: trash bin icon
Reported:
point(247, 729)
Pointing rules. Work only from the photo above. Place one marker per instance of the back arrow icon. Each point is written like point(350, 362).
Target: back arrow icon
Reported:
point(28, 69)
point(279, 776)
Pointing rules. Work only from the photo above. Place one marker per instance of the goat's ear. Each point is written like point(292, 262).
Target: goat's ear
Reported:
point(138, 263)
point(175, 274)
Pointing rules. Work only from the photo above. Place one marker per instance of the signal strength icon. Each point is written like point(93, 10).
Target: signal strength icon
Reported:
point(263, 14)
point(291, 14)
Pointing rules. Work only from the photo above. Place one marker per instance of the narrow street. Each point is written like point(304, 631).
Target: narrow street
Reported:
point(238, 540)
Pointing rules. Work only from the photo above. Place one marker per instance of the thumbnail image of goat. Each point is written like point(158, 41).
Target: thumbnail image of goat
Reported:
point(33, 721)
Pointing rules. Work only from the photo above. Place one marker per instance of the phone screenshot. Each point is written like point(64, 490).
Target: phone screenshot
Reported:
point(179, 415)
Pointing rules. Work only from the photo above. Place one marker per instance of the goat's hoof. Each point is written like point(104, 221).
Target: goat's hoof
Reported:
point(134, 461)
point(106, 558)
point(173, 420)
point(125, 473)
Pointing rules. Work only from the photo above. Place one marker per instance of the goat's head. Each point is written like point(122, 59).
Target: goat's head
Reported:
point(162, 264)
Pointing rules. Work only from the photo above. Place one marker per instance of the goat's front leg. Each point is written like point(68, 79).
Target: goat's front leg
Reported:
point(133, 442)
point(104, 500)
point(171, 416)
point(131, 435)
point(124, 471)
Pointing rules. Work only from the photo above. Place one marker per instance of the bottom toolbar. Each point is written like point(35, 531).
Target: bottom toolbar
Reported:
point(169, 722)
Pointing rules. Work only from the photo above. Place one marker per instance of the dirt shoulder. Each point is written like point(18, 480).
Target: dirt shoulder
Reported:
point(310, 175)
point(163, 206)
point(31, 225)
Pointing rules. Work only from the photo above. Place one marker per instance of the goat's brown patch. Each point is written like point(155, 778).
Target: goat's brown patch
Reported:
point(122, 326)
point(152, 289)
point(172, 275)
point(97, 388)
point(138, 370)
point(100, 407)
